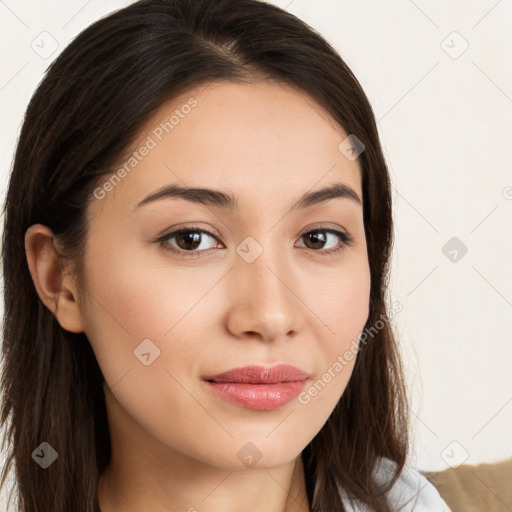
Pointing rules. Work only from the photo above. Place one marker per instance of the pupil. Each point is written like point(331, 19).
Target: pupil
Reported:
point(189, 237)
point(318, 239)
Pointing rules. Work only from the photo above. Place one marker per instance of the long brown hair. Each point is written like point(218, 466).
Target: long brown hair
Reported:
point(81, 119)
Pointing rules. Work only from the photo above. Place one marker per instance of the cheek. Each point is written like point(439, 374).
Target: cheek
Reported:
point(133, 299)
point(341, 301)
point(138, 291)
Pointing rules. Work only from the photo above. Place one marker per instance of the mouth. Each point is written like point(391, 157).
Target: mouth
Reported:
point(258, 387)
point(260, 375)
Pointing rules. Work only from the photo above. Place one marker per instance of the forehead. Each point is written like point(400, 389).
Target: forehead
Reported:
point(261, 139)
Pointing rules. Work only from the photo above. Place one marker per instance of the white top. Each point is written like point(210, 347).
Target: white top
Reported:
point(411, 492)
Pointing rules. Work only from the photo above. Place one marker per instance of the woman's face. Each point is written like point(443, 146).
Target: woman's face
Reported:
point(263, 288)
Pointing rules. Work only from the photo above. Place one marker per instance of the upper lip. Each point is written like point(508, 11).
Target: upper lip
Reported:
point(260, 374)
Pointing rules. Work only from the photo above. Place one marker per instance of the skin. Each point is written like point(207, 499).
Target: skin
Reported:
point(174, 443)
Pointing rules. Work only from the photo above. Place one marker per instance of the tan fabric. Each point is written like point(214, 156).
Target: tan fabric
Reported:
point(482, 488)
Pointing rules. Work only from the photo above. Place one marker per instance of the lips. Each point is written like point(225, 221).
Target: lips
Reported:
point(260, 375)
point(260, 388)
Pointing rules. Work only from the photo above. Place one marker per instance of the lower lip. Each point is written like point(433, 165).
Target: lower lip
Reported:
point(260, 397)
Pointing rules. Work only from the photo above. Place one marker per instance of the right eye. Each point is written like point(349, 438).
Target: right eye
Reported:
point(188, 239)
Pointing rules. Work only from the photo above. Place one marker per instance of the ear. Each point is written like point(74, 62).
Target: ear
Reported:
point(55, 287)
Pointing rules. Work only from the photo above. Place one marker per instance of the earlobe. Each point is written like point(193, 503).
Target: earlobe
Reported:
point(55, 288)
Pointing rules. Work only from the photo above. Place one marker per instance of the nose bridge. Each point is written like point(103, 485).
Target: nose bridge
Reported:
point(262, 298)
point(263, 276)
point(262, 264)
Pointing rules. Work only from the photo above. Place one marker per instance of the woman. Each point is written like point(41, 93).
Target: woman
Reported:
point(197, 234)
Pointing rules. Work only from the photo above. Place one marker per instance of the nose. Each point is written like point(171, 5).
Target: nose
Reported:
point(264, 298)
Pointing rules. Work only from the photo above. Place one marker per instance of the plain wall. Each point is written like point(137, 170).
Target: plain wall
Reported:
point(444, 114)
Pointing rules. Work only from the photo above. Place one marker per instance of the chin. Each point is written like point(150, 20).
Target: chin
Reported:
point(257, 454)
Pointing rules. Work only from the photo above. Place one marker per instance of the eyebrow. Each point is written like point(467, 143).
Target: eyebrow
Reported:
point(227, 200)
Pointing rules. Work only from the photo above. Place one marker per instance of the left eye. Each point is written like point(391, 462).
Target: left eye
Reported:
point(191, 241)
point(319, 237)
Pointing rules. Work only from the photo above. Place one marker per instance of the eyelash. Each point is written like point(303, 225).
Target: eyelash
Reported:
point(346, 241)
